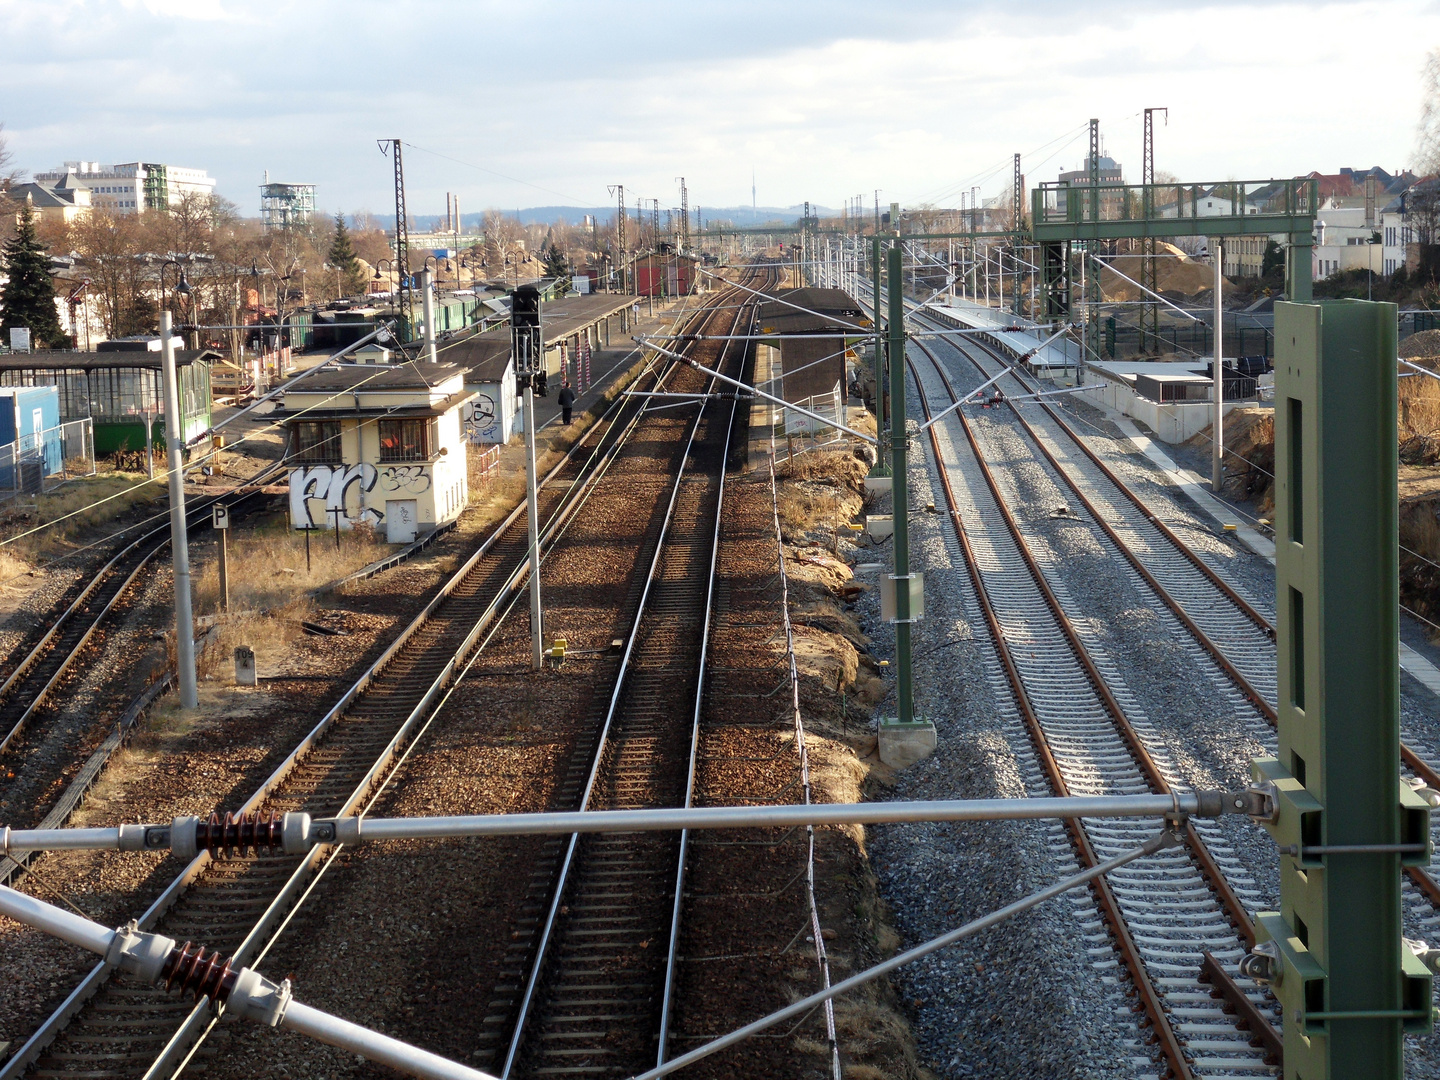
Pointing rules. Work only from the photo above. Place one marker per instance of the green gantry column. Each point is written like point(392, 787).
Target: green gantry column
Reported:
point(880, 411)
point(904, 689)
point(1349, 986)
point(1299, 269)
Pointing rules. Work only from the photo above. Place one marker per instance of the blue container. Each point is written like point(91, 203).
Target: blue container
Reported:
point(30, 416)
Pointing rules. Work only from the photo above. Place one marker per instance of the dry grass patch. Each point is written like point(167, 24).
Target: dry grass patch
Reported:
point(1419, 416)
point(71, 512)
point(267, 566)
point(272, 635)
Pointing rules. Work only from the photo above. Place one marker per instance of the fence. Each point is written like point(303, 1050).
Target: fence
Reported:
point(484, 467)
point(41, 461)
point(805, 433)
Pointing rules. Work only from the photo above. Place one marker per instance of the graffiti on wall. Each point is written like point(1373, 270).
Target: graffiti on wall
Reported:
point(331, 483)
point(413, 479)
point(480, 419)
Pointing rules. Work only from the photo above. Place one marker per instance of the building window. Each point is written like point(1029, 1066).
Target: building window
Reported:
point(318, 441)
point(404, 440)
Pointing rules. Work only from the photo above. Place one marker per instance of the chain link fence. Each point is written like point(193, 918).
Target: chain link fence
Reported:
point(41, 461)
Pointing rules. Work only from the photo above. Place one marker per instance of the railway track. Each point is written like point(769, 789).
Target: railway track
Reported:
point(1164, 915)
point(1230, 635)
point(111, 1028)
point(40, 763)
point(597, 995)
point(114, 1029)
point(47, 661)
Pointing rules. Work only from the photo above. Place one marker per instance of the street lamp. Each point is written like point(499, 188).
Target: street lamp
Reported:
point(182, 286)
point(389, 268)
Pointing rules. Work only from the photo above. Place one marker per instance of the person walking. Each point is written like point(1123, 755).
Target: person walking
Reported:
point(566, 399)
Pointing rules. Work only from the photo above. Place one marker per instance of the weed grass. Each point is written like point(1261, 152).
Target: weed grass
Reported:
point(267, 569)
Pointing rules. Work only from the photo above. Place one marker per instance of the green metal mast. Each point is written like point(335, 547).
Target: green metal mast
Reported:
point(1333, 953)
point(880, 410)
point(904, 690)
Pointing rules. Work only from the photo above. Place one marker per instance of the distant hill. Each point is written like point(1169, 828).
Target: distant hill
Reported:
point(544, 215)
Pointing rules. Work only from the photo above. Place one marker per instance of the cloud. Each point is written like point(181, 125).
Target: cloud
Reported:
point(823, 101)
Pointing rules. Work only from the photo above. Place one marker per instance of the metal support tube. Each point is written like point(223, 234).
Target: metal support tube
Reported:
point(804, 1005)
point(251, 995)
point(301, 832)
point(532, 515)
point(323, 1027)
point(179, 543)
point(899, 446)
point(881, 412)
point(427, 295)
point(55, 921)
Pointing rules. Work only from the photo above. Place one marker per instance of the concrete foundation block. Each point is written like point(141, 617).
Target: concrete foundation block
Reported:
point(901, 745)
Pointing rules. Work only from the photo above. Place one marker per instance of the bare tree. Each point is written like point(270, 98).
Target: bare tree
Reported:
point(1427, 135)
point(113, 248)
point(8, 174)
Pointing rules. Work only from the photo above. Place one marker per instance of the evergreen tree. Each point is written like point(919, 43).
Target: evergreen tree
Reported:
point(342, 256)
point(342, 253)
point(556, 265)
point(28, 298)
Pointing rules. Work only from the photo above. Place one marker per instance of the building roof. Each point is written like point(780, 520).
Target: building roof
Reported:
point(833, 309)
point(59, 360)
point(422, 410)
point(377, 378)
point(483, 357)
point(39, 196)
point(812, 366)
point(571, 314)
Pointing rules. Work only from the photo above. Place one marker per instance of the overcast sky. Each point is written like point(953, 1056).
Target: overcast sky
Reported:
point(537, 103)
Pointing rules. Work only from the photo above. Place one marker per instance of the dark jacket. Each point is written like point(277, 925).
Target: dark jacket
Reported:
point(566, 397)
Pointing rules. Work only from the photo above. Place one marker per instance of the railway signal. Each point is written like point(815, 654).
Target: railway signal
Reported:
point(529, 350)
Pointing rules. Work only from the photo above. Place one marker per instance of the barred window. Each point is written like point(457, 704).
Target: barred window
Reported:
point(404, 440)
point(317, 441)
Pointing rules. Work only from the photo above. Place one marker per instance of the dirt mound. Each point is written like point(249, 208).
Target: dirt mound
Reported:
point(1249, 456)
point(1425, 343)
point(1175, 272)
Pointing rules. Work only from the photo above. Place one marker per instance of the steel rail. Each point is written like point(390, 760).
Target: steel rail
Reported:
point(159, 539)
point(1105, 897)
point(1422, 879)
point(1230, 903)
point(1244, 606)
point(672, 948)
point(74, 1002)
point(282, 909)
point(541, 954)
point(1204, 640)
point(1231, 906)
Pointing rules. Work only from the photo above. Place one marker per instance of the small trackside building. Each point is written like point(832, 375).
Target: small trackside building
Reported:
point(809, 337)
point(379, 443)
point(665, 272)
point(120, 389)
